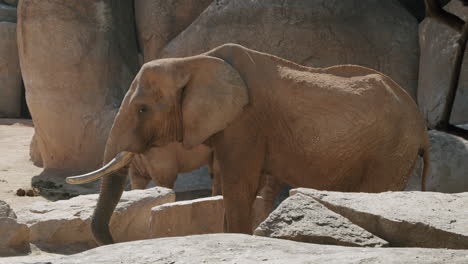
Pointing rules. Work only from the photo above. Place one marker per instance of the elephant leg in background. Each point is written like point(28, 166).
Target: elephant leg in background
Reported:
point(164, 177)
point(217, 184)
point(270, 186)
point(241, 167)
point(138, 180)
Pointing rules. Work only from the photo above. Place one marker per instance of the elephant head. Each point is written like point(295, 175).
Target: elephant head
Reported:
point(185, 100)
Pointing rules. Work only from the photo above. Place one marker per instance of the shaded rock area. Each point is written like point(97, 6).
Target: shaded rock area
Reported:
point(301, 218)
point(7, 13)
point(448, 165)
point(404, 219)
point(14, 236)
point(438, 46)
point(51, 184)
point(378, 34)
point(238, 248)
point(193, 185)
point(10, 73)
point(64, 226)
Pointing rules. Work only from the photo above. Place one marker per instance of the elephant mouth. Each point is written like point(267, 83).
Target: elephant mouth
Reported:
point(120, 161)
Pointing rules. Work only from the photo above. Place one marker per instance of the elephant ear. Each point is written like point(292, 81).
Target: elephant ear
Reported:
point(213, 96)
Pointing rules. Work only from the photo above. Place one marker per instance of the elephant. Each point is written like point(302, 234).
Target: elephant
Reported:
point(162, 165)
point(340, 128)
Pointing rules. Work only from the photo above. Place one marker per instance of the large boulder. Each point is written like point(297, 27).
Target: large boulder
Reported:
point(14, 238)
point(159, 21)
point(10, 73)
point(438, 46)
point(238, 248)
point(378, 34)
point(448, 156)
point(64, 226)
point(404, 219)
point(78, 59)
point(301, 218)
point(199, 216)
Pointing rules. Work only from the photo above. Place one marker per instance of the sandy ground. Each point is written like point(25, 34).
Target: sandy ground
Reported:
point(16, 170)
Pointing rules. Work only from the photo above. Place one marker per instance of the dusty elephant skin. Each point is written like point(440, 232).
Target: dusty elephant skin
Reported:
point(263, 114)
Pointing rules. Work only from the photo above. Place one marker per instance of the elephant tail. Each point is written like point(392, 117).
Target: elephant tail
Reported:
point(424, 152)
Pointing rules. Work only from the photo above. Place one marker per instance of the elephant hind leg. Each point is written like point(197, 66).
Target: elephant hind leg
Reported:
point(270, 186)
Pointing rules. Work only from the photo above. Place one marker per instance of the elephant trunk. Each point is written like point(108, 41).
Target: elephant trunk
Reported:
point(112, 187)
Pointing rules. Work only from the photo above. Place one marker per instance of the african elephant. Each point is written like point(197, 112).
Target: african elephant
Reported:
point(342, 128)
point(162, 164)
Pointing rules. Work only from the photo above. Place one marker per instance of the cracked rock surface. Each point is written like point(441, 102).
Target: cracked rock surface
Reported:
point(301, 218)
point(404, 219)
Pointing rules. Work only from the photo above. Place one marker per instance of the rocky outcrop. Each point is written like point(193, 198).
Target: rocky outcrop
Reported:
point(238, 248)
point(64, 226)
point(438, 46)
point(301, 218)
point(199, 216)
point(404, 219)
point(448, 165)
point(77, 59)
point(14, 238)
point(10, 73)
point(160, 21)
point(378, 34)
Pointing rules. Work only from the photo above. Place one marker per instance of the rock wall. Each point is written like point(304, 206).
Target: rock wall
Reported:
point(159, 21)
point(78, 59)
point(438, 46)
point(378, 34)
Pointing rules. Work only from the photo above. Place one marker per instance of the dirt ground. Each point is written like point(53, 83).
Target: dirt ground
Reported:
point(16, 170)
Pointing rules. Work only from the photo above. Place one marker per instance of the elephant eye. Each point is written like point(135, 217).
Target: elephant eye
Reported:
point(142, 109)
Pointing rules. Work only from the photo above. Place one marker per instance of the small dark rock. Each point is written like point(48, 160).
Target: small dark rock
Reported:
point(30, 193)
point(20, 192)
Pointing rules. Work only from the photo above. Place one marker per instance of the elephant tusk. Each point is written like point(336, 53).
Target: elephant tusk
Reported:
point(120, 161)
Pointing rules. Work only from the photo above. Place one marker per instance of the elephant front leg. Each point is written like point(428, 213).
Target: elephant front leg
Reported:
point(240, 168)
